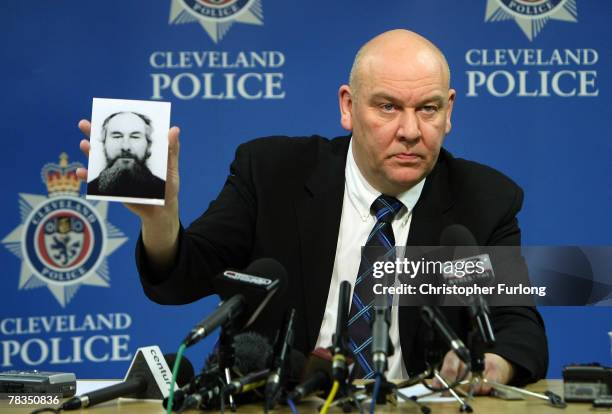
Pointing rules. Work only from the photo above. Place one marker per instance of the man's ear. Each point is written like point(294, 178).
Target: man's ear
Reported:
point(452, 94)
point(149, 145)
point(345, 101)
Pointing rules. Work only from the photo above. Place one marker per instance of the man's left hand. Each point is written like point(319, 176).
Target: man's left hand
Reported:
point(496, 369)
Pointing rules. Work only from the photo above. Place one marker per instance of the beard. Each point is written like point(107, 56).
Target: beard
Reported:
point(125, 171)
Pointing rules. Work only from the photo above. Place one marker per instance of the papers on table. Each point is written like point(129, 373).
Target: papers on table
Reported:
point(85, 386)
point(419, 389)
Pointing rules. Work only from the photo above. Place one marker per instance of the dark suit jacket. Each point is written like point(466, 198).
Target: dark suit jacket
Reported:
point(283, 199)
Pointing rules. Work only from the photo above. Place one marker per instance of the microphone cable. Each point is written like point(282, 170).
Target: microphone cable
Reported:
point(291, 405)
point(175, 369)
point(375, 392)
point(330, 397)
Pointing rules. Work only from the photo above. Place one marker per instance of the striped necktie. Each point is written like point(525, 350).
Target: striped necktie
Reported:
point(381, 238)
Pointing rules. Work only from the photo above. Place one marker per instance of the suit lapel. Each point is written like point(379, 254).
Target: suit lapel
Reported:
point(319, 209)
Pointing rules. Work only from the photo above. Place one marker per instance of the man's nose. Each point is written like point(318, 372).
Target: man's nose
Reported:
point(126, 145)
point(409, 128)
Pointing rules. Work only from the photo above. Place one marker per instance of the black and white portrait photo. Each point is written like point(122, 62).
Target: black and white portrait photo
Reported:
point(128, 151)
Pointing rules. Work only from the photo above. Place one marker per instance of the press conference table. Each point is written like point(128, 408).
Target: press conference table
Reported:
point(480, 404)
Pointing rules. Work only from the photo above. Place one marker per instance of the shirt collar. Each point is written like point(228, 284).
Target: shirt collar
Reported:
point(362, 194)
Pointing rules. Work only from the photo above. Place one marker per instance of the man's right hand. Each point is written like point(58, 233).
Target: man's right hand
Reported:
point(160, 224)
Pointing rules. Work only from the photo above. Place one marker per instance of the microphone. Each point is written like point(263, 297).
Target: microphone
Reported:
point(148, 377)
point(433, 317)
point(279, 368)
point(210, 395)
point(458, 235)
point(318, 375)
point(340, 337)
point(252, 354)
point(244, 294)
point(479, 312)
point(185, 371)
point(247, 383)
point(186, 380)
point(226, 311)
point(259, 378)
point(381, 343)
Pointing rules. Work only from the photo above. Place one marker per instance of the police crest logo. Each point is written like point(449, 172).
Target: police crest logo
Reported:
point(531, 15)
point(216, 16)
point(62, 240)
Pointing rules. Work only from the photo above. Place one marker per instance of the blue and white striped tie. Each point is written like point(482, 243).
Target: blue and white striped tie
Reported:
point(381, 237)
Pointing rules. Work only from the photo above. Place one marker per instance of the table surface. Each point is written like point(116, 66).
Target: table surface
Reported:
point(481, 404)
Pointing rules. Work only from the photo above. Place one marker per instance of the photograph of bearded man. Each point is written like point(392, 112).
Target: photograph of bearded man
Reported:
point(127, 140)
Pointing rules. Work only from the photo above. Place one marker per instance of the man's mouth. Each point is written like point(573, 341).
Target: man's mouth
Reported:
point(123, 161)
point(407, 156)
point(126, 156)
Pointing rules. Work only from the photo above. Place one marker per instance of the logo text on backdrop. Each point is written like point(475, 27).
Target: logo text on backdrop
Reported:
point(214, 74)
point(62, 241)
point(532, 72)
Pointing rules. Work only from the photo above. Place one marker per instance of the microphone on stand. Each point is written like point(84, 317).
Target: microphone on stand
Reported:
point(210, 396)
point(467, 249)
point(226, 311)
point(318, 375)
point(252, 354)
point(244, 294)
point(479, 311)
point(434, 318)
point(148, 378)
point(281, 362)
point(340, 337)
point(381, 343)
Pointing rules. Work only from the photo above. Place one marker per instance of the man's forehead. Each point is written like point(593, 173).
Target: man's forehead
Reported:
point(404, 83)
point(126, 120)
point(404, 66)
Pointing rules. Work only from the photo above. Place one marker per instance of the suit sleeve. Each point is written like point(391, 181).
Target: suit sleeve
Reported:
point(520, 333)
point(219, 239)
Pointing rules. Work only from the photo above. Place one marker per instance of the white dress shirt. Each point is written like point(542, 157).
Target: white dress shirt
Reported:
point(356, 224)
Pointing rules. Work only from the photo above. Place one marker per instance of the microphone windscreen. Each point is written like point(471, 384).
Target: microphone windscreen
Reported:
point(457, 235)
point(460, 236)
point(270, 268)
point(252, 352)
point(185, 371)
point(262, 285)
point(260, 277)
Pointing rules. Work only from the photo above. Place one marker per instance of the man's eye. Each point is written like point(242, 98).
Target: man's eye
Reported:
point(136, 135)
point(429, 109)
point(116, 135)
point(388, 107)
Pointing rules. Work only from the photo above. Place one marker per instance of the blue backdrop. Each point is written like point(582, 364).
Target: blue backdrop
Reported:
point(532, 82)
